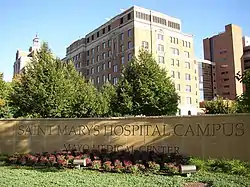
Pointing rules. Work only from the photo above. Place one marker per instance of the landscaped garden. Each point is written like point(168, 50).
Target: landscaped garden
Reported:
point(118, 169)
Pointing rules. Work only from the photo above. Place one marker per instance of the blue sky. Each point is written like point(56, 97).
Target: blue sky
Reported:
point(60, 22)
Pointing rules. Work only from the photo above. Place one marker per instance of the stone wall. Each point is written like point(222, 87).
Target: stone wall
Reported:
point(203, 136)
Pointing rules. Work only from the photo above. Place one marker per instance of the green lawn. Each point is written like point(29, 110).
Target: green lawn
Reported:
point(10, 176)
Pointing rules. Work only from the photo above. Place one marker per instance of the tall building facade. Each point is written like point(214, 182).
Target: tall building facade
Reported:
point(24, 57)
point(100, 56)
point(206, 79)
point(225, 50)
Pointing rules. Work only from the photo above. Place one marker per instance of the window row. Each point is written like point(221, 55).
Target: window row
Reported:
point(107, 29)
point(103, 66)
point(104, 79)
point(156, 19)
point(104, 46)
point(176, 62)
point(104, 57)
point(175, 40)
point(177, 75)
point(76, 57)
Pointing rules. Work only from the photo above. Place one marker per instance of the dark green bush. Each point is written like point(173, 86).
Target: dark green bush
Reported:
point(222, 165)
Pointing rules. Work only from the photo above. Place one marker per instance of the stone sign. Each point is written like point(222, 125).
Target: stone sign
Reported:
point(204, 136)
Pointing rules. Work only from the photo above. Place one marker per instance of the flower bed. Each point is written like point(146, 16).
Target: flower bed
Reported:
point(120, 162)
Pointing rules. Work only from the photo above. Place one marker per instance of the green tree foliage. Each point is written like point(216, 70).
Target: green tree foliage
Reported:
point(49, 88)
point(220, 106)
point(144, 88)
point(107, 99)
point(243, 101)
point(5, 90)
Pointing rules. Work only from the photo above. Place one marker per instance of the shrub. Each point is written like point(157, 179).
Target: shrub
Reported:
point(134, 169)
point(96, 164)
point(170, 168)
point(107, 166)
point(153, 166)
point(118, 166)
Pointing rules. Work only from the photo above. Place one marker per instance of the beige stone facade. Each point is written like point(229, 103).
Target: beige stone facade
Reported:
point(101, 55)
point(215, 136)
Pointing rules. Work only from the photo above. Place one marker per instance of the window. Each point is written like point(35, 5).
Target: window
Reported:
point(114, 42)
point(122, 59)
point(103, 66)
point(103, 45)
point(104, 78)
point(160, 37)
point(186, 54)
point(172, 74)
point(98, 58)
point(160, 47)
point(87, 53)
point(109, 28)
point(145, 44)
point(87, 62)
point(178, 75)
point(103, 31)
point(109, 43)
point(188, 100)
point(122, 36)
point(93, 51)
point(115, 68)
point(226, 79)
point(109, 64)
point(188, 88)
point(92, 70)
point(115, 80)
point(98, 34)
point(172, 62)
point(98, 68)
point(129, 56)
point(178, 87)
point(129, 45)
point(121, 20)
point(109, 54)
point(177, 63)
point(187, 77)
point(92, 37)
point(109, 77)
point(93, 60)
point(103, 55)
point(187, 65)
point(174, 40)
point(87, 40)
point(129, 16)
point(122, 48)
point(93, 81)
point(161, 59)
point(175, 51)
point(98, 48)
point(98, 80)
point(129, 33)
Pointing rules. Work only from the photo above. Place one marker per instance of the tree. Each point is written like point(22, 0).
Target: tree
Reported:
point(107, 99)
point(5, 89)
point(145, 88)
point(50, 88)
point(220, 106)
point(243, 101)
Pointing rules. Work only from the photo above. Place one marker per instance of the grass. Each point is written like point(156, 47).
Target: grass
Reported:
point(25, 176)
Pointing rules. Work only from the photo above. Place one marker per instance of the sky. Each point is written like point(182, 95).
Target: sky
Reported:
point(60, 22)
